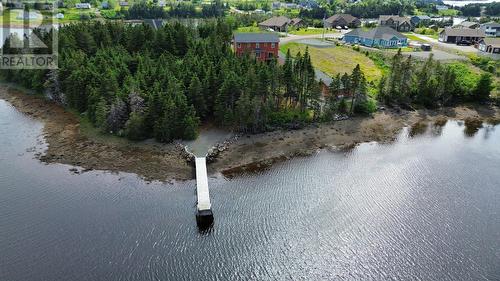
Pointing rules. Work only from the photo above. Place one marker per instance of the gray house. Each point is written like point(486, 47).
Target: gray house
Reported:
point(342, 20)
point(456, 35)
point(491, 29)
point(402, 24)
point(276, 23)
point(467, 24)
point(490, 45)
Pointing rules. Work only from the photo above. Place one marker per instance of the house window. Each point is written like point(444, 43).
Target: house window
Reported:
point(257, 45)
point(273, 45)
point(239, 45)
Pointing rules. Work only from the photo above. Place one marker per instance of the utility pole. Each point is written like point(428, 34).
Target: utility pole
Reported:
point(324, 26)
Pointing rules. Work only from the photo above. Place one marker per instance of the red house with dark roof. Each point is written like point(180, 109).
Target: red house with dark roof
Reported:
point(263, 46)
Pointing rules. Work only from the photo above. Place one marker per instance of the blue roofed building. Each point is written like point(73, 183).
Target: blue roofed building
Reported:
point(382, 36)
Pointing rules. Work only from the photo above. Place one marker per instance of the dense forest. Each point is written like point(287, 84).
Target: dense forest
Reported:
point(431, 83)
point(138, 82)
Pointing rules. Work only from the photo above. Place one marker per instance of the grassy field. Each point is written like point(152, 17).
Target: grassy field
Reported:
point(337, 60)
point(414, 37)
point(249, 29)
point(308, 31)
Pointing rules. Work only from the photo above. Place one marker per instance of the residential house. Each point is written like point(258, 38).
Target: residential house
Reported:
point(308, 4)
point(467, 24)
point(342, 20)
point(456, 35)
point(276, 5)
point(263, 46)
point(398, 23)
point(83, 6)
point(491, 29)
point(441, 7)
point(297, 22)
point(290, 6)
point(124, 4)
point(416, 20)
point(489, 45)
point(276, 23)
point(381, 36)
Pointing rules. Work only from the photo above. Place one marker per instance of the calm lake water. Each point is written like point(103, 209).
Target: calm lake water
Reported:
point(463, 3)
point(426, 207)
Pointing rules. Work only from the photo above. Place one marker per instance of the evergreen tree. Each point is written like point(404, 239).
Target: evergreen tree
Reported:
point(483, 87)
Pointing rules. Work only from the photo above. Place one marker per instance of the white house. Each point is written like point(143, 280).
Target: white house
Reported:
point(490, 45)
point(491, 29)
point(83, 6)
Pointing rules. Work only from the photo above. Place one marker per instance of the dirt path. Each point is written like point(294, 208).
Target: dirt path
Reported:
point(258, 151)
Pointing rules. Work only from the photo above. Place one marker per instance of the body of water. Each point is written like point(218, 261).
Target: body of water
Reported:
point(463, 3)
point(423, 208)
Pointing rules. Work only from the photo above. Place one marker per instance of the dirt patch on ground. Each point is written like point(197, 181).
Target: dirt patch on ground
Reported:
point(67, 144)
point(154, 161)
point(249, 153)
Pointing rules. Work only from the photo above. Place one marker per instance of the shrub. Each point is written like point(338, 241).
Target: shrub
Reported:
point(366, 107)
point(134, 128)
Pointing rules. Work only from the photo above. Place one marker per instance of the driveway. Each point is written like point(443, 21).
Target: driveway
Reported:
point(438, 55)
point(446, 46)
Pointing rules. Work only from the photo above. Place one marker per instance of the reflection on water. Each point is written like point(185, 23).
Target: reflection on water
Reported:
point(422, 208)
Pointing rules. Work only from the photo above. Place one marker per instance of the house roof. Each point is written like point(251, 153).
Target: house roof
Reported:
point(467, 24)
point(492, 24)
point(423, 17)
point(494, 42)
point(256, 37)
point(463, 32)
point(393, 17)
point(275, 21)
point(381, 32)
point(295, 20)
point(348, 18)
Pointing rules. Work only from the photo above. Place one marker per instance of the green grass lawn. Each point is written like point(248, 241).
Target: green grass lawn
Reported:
point(15, 17)
point(309, 31)
point(414, 37)
point(249, 29)
point(337, 60)
point(74, 14)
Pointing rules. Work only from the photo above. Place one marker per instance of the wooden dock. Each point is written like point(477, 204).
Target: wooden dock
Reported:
point(204, 216)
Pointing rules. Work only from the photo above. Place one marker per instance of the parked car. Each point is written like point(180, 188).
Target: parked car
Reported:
point(464, 43)
point(426, 47)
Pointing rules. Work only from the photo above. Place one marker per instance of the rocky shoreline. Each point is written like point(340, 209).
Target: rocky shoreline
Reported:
point(68, 144)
